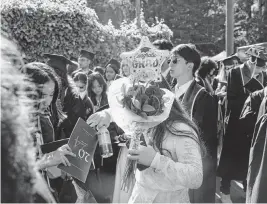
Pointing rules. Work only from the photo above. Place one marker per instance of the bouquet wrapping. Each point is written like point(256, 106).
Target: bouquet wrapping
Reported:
point(136, 107)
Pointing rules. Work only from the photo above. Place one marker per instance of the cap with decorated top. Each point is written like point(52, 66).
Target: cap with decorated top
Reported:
point(257, 51)
point(58, 61)
point(87, 54)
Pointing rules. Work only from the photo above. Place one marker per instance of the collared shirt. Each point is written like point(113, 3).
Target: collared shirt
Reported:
point(179, 91)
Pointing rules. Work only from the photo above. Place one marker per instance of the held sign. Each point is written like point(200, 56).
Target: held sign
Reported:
point(83, 143)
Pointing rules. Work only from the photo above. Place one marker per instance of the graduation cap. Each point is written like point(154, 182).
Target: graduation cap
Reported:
point(257, 51)
point(58, 62)
point(87, 54)
point(114, 64)
point(230, 60)
point(74, 59)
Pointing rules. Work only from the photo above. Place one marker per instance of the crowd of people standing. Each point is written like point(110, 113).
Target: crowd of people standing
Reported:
point(218, 123)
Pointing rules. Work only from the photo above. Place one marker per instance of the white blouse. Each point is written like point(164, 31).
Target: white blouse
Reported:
point(169, 177)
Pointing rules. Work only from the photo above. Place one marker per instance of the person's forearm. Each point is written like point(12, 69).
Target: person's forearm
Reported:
point(41, 163)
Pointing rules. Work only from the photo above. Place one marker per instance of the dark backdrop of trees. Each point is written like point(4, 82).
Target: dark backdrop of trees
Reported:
point(201, 22)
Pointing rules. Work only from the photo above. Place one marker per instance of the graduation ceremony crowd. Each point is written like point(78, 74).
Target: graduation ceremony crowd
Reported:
point(223, 102)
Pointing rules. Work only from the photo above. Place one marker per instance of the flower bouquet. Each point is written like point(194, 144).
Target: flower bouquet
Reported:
point(136, 107)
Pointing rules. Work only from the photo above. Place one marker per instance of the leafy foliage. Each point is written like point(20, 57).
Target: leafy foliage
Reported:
point(250, 22)
point(116, 10)
point(203, 22)
point(198, 22)
point(67, 26)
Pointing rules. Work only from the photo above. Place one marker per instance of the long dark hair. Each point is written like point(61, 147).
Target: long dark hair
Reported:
point(206, 66)
point(92, 77)
point(80, 76)
point(17, 150)
point(177, 115)
point(39, 74)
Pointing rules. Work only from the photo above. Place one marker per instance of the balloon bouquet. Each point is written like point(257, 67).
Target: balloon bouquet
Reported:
point(136, 102)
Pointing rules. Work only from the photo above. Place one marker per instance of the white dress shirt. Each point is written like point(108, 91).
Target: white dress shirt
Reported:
point(179, 91)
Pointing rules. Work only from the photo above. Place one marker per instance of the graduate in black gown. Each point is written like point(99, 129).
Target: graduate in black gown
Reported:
point(85, 61)
point(257, 171)
point(202, 108)
point(242, 81)
point(220, 87)
point(74, 109)
point(250, 111)
point(70, 100)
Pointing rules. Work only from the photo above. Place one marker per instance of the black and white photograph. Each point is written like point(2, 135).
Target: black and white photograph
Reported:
point(133, 101)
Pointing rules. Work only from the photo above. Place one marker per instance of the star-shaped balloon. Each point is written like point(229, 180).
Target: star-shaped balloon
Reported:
point(145, 61)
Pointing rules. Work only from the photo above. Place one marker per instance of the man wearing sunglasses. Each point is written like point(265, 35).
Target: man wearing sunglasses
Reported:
point(242, 81)
point(184, 62)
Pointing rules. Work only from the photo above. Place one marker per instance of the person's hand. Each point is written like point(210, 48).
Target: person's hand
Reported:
point(144, 155)
point(59, 156)
point(99, 120)
point(221, 94)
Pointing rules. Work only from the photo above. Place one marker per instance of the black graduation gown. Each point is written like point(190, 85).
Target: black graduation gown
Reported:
point(74, 107)
point(235, 152)
point(257, 171)
point(250, 111)
point(202, 109)
point(101, 180)
point(51, 132)
point(88, 106)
